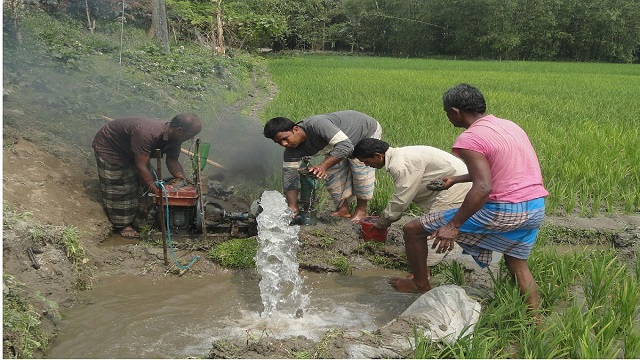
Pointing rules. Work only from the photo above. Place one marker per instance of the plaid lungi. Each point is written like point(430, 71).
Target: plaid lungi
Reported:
point(507, 228)
point(351, 177)
point(120, 192)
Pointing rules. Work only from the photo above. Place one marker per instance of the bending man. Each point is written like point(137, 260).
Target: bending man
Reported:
point(412, 168)
point(332, 135)
point(123, 148)
point(502, 211)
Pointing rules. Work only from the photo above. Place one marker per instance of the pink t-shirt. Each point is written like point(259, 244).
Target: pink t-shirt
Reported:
point(515, 170)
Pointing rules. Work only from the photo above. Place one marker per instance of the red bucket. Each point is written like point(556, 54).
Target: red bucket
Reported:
point(370, 232)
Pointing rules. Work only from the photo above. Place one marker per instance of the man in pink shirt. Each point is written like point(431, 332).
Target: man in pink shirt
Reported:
point(502, 211)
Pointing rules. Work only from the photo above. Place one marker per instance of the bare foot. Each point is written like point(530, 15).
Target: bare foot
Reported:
point(357, 216)
point(341, 212)
point(410, 276)
point(129, 233)
point(407, 285)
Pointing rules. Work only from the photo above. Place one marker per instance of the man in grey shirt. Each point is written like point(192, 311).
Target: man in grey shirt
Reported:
point(333, 136)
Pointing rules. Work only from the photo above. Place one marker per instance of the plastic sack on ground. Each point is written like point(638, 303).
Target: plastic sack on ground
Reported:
point(443, 313)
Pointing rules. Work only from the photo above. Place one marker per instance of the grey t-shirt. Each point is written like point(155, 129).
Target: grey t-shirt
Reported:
point(328, 134)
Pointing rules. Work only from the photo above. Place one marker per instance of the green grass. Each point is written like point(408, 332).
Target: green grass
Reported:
point(579, 116)
point(23, 337)
point(235, 253)
point(590, 308)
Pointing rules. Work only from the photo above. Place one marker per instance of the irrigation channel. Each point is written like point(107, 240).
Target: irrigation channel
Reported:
point(134, 317)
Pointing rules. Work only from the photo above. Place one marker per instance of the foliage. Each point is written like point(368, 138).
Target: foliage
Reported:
point(588, 166)
point(552, 30)
point(69, 98)
point(235, 253)
point(589, 30)
point(22, 335)
point(247, 29)
point(601, 325)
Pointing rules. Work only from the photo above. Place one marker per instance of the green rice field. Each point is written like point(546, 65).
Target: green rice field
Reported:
point(582, 118)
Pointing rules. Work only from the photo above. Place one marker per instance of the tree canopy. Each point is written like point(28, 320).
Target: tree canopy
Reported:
point(567, 30)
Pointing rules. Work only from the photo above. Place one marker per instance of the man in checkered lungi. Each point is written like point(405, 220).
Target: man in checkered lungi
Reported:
point(503, 209)
point(123, 148)
point(333, 136)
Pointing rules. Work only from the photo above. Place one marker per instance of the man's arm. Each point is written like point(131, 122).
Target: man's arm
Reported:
point(480, 175)
point(320, 170)
point(406, 187)
point(175, 168)
point(146, 178)
point(292, 201)
point(291, 184)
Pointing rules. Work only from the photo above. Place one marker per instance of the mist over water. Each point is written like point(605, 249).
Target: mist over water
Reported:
point(69, 101)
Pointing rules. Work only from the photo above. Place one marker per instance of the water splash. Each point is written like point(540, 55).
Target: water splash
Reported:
point(281, 283)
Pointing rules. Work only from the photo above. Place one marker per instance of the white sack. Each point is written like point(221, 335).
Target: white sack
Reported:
point(443, 313)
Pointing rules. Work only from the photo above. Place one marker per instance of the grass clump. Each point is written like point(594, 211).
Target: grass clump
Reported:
point(23, 337)
point(342, 265)
point(235, 253)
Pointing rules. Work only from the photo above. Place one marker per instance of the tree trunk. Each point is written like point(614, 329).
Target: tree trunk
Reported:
point(15, 16)
point(220, 48)
point(159, 19)
point(91, 24)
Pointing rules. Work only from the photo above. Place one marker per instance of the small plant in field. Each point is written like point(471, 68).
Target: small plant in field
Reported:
point(342, 264)
point(145, 233)
point(235, 253)
point(453, 273)
point(146, 238)
point(65, 237)
point(326, 240)
point(322, 347)
point(632, 344)
point(225, 346)
point(556, 274)
point(382, 261)
point(602, 274)
point(552, 234)
point(302, 355)
point(70, 241)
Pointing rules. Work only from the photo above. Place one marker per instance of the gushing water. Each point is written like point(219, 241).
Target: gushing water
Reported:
point(281, 283)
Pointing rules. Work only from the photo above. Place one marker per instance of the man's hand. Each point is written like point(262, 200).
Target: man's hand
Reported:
point(294, 208)
point(155, 190)
point(319, 171)
point(444, 238)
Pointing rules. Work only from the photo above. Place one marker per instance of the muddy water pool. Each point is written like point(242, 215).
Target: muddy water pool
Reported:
point(172, 317)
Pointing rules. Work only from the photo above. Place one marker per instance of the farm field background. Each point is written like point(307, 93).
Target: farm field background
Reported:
point(582, 118)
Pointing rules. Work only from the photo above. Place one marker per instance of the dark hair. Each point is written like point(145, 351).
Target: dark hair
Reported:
point(465, 98)
point(366, 148)
point(187, 122)
point(276, 125)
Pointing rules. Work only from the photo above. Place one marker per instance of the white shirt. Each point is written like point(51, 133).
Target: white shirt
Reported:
point(412, 168)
